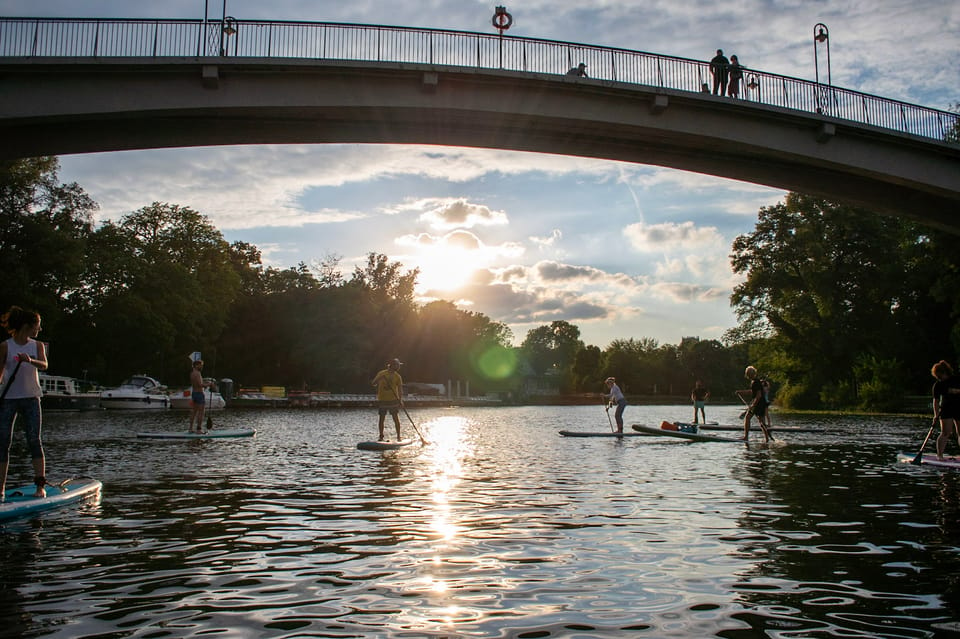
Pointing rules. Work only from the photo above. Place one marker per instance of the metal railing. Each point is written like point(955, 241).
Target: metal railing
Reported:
point(107, 38)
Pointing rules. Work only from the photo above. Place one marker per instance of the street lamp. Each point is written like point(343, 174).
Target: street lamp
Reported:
point(821, 35)
point(228, 29)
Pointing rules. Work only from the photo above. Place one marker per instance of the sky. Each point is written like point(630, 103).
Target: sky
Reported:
point(620, 250)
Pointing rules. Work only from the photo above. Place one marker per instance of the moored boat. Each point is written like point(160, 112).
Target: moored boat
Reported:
point(181, 400)
point(63, 393)
point(138, 392)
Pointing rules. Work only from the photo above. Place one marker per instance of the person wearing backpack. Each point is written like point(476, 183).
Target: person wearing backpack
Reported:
point(759, 402)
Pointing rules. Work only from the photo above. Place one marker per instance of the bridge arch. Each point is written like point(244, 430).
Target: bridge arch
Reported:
point(61, 105)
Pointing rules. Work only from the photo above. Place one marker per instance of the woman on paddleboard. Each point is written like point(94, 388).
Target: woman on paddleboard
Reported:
point(22, 356)
point(389, 387)
point(616, 397)
point(946, 404)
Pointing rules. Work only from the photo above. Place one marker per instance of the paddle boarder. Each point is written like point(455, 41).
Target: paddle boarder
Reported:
point(389, 387)
point(699, 396)
point(946, 404)
point(198, 401)
point(616, 397)
point(758, 404)
point(22, 356)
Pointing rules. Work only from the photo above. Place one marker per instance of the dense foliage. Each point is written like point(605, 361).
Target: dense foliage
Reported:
point(847, 308)
point(840, 307)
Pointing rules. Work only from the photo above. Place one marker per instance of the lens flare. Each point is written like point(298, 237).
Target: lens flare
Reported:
point(496, 362)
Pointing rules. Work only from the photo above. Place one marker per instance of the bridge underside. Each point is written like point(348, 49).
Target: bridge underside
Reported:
point(60, 107)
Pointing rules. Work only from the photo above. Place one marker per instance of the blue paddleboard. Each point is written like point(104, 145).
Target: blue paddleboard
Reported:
point(19, 502)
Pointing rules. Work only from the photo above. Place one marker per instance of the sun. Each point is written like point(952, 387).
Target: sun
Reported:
point(449, 262)
point(446, 269)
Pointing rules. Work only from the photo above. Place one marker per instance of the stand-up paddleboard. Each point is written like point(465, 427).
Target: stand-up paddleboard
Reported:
point(580, 433)
point(948, 461)
point(385, 445)
point(210, 434)
point(739, 427)
point(691, 436)
point(19, 502)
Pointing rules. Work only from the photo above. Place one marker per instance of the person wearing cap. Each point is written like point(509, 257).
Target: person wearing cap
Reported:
point(389, 387)
point(198, 402)
point(579, 71)
point(758, 403)
point(616, 397)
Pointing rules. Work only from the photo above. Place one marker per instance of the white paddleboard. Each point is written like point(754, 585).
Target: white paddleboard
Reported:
point(948, 461)
point(210, 434)
point(384, 445)
point(19, 502)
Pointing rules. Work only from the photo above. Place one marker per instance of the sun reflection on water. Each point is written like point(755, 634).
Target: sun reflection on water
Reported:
point(449, 447)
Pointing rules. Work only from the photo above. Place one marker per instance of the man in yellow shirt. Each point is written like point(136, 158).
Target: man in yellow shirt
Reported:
point(389, 387)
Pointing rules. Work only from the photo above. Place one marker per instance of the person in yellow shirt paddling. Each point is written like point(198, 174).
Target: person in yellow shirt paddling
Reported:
point(389, 387)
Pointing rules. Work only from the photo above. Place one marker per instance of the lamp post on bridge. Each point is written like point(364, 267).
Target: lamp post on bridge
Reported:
point(228, 27)
point(501, 22)
point(821, 35)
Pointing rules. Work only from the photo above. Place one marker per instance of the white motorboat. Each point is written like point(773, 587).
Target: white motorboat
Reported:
point(62, 393)
point(213, 401)
point(139, 392)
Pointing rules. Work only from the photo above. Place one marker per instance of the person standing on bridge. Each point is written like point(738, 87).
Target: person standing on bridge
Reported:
point(719, 67)
point(579, 71)
point(736, 75)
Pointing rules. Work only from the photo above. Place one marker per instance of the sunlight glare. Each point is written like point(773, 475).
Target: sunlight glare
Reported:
point(445, 269)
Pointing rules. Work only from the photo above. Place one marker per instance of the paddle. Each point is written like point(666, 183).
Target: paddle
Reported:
point(744, 413)
point(919, 458)
point(422, 440)
point(417, 430)
point(763, 427)
point(607, 409)
point(209, 408)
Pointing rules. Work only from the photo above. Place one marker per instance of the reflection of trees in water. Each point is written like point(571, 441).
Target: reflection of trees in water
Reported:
point(844, 538)
point(19, 546)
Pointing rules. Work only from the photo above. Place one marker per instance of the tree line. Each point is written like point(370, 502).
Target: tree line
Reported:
point(839, 307)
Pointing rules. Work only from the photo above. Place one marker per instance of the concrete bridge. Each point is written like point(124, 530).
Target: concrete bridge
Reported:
point(85, 86)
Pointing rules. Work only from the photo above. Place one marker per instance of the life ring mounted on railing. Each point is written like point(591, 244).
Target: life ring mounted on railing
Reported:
point(502, 20)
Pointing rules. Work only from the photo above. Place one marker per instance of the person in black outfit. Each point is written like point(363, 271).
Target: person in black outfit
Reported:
point(736, 75)
point(719, 67)
point(946, 404)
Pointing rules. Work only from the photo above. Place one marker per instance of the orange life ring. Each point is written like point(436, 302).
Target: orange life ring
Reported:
point(502, 20)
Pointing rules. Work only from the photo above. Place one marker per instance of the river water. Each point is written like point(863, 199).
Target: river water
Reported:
point(498, 528)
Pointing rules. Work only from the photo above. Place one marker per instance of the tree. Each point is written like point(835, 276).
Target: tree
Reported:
point(831, 284)
point(43, 238)
point(161, 283)
point(553, 347)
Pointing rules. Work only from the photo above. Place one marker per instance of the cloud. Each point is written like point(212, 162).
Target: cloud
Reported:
point(547, 241)
point(684, 293)
point(449, 213)
point(669, 236)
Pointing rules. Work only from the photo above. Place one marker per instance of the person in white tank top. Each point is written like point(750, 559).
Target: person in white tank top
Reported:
point(22, 357)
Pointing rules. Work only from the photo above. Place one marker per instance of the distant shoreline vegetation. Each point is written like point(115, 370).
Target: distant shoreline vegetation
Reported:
point(840, 308)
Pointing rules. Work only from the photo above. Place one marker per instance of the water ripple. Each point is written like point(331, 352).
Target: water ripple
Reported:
point(499, 528)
